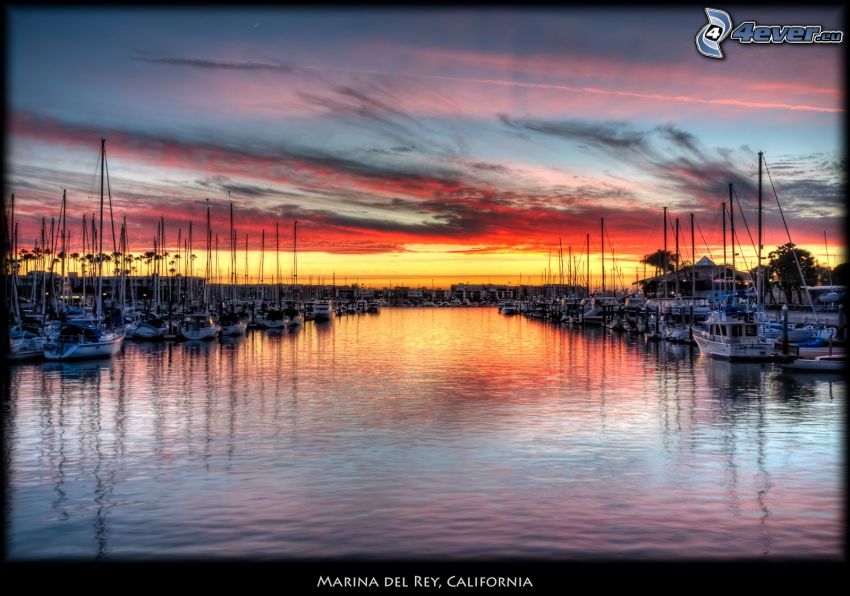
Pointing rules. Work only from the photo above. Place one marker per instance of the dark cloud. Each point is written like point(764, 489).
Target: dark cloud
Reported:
point(209, 64)
point(353, 202)
point(223, 184)
point(374, 106)
point(696, 177)
point(679, 138)
point(609, 136)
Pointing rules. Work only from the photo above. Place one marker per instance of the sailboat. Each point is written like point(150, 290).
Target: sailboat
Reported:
point(200, 325)
point(233, 324)
point(292, 311)
point(83, 339)
point(732, 332)
point(153, 328)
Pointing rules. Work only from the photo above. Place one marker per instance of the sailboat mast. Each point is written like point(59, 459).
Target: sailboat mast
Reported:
point(694, 259)
point(190, 255)
point(826, 249)
point(262, 264)
point(277, 260)
point(759, 281)
point(732, 234)
point(100, 238)
point(602, 242)
point(294, 255)
point(64, 246)
point(208, 270)
point(232, 255)
point(723, 206)
point(587, 263)
point(693, 279)
point(676, 261)
point(664, 255)
point(561, 264)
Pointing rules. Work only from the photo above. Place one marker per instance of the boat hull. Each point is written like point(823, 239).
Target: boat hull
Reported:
point(26, 349)
point(806, 365)
point(79, 351)
point(235, 329)
point(149, 332)
point(199, 333)
point(735, 352)
point(271, 324)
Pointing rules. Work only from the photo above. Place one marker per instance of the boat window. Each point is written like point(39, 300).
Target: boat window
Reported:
point(736, 331)
point(752, 331)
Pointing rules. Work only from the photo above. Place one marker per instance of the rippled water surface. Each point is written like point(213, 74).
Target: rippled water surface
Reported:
point(424, 433)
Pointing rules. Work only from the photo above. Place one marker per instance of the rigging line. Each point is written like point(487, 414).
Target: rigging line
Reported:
point(746, 264)
point(787, 231)
point(684, 247)
point(613, 258)
point(111, 217)
point(90, 195)
point(710, 256)
point(672, 227)
point(744, 217)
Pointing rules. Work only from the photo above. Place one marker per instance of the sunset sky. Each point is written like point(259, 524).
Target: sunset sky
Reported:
point(412, 144)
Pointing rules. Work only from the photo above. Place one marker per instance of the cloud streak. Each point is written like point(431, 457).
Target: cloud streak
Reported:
point(731, 102)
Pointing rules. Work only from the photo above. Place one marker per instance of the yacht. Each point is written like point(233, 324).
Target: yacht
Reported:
point(726, 336)
point(510, 308)
point(594, 307)
point(323, 310)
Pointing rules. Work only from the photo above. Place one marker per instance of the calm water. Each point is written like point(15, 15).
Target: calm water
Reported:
point(434, 433)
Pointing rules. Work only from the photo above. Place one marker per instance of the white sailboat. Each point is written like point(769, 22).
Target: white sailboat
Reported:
point(81, 339)
point(153, 328)
point(199, 326)
point(232, 325)
point(272, 319)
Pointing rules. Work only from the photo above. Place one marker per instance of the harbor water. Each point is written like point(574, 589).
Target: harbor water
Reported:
point(430, 433)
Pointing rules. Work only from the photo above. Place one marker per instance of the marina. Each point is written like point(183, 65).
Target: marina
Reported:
point(361, 436)
point(331, 288)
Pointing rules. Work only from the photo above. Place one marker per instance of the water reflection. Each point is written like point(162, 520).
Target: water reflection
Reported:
point(422, 432)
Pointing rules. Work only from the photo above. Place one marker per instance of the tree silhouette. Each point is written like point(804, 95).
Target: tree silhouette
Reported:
point(782, 269)
point(656, 259)
point(839, 274)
